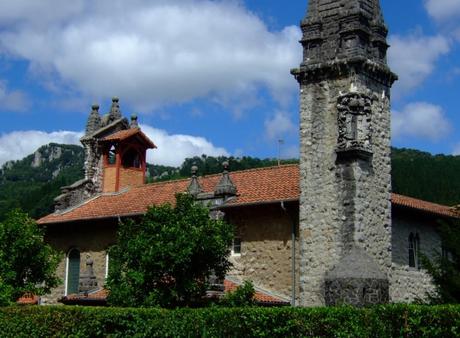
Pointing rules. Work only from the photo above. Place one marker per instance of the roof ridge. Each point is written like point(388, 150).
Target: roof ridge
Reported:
point(219, 174)
point(424, 201)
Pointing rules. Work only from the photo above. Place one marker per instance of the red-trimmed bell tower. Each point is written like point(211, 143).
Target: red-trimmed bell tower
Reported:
point(124, 159)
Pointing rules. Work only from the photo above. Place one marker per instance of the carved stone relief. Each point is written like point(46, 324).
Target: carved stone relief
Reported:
point(354, 120)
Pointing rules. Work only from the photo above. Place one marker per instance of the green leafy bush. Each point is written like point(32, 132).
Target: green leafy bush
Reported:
point(164, 258)
point(242, 296)
point(27, 263)
point(380, 321)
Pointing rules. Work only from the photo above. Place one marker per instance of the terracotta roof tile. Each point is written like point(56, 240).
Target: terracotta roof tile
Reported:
point(229, 286)
point(263, 185)
point(127, 133)
point(259, 296)
point(28, 299)
point(425, 206)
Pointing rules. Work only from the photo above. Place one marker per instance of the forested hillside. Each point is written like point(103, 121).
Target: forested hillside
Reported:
point(32, 183)
point(430, 177)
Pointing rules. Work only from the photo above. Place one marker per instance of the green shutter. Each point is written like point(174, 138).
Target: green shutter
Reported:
point(73, 272)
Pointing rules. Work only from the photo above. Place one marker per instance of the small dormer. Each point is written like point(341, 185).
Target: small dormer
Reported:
point(124, 158)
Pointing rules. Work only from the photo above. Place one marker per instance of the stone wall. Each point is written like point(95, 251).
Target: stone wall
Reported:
point(266, 246)
point(341, 204)
point(408, 284)
point(92, 240)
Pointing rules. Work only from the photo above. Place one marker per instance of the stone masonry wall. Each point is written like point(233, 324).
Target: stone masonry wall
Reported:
point(91, 240)
point(265, 259)
point(333, 212)
point(408, 284)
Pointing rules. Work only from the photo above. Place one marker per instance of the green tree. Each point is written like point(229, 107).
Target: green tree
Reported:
point(164, 258)
point(27, 264)
point(445, 268)
point(242, 296)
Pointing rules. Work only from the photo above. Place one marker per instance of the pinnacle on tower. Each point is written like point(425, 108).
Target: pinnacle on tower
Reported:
point(343, 30)
point(115, 112)
point(94, 120)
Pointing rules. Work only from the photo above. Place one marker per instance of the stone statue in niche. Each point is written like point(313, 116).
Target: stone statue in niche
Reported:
point(354, 119)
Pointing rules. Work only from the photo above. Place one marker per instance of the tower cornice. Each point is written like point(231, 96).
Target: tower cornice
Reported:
point(318, 72)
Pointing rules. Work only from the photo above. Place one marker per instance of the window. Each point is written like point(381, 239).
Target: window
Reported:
point(131, 159)
point(73, 272)
point(112, 156)
point(236, 246)
point(414, 248)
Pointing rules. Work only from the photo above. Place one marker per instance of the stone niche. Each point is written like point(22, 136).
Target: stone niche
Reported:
point(357, 281)
point(355, 127)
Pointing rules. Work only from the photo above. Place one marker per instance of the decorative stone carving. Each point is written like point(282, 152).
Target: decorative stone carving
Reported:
point(88, 280)
point(225, 188)
point(194, 187)
point(355, 127)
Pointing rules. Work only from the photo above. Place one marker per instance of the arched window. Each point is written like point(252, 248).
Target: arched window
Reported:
point(73, 271)
point(131, 159)
point(414, 247)
point(112, 155)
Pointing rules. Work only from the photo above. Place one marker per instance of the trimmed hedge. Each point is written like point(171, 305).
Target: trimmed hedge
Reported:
point(380, 321)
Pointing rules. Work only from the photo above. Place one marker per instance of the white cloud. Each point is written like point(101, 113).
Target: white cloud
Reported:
point(456, 150)
point(18, 144)
point(279, 125)
point(12, 100)
point(420, 120)
point(172, 149)
point(443, 9)
point(152, 52)
point(413, 58)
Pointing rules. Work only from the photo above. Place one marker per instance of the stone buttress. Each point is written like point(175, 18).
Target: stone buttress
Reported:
point(345, 212)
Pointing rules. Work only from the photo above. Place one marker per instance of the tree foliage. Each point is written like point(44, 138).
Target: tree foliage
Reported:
point(445, 268)
point(27, 264)
point(164, 258)
point(242, 296)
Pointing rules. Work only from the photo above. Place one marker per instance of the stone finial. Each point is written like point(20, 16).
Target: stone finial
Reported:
point(88, 280)
point(94, 120)
point(225, 186)
point(352, 18)
point(134, 123)
point(194, 187)
point(115, 112)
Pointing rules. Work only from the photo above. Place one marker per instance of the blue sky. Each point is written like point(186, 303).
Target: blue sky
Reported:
point(205, 76)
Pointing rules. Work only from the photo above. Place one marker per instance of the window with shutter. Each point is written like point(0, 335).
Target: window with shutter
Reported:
point(73, 271)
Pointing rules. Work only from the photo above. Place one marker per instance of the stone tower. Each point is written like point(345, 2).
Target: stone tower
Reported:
point(345, 214)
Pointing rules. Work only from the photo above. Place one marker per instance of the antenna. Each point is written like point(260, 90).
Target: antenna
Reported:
point(280, 143)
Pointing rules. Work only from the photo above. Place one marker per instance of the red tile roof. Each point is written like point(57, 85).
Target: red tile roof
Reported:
point(127, 133)
point(255, 186)
point(429, 207)
point(100, 296)
point(259, 296)
point(28, 299)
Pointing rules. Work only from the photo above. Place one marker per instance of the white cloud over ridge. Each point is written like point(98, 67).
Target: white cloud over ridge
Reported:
point(279, 125)
point(152, 52)
point(443, 9)
point(172, 149)
point(18, 144)
point(420, 120)
point(413, 58)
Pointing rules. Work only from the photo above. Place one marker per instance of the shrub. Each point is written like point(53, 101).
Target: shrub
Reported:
point(380, 321)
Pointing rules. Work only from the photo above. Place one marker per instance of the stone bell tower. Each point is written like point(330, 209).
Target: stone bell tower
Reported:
point(345, 212)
